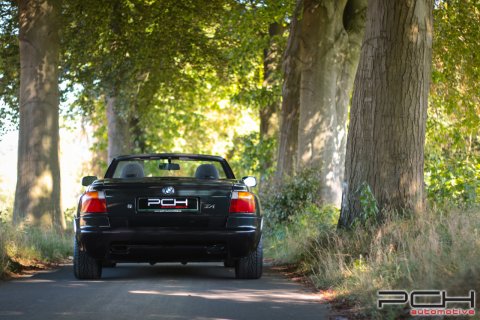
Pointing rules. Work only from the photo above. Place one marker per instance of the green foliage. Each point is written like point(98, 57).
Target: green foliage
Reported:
point(42, 245)
point(281, 203)
point(183, 73)
point(26, 246)
point(247, 27)
point(193, 119)
point(132, 47)
point(293, 219)
point(452, 153)
point(369, 213)
point(433, 250)
point(452, 180)
point(6, 203)
point(4, 261)
point(9, 65)
point(249, 153)
point(290, 242)
point(69, 214)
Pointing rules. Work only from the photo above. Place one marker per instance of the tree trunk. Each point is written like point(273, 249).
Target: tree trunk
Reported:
point(287, 144)
point(330, 48)
point(137, 134)
point(118, 130)
point(118, 124)
point(269, 113)
point(37, 194)
point(387, 121)
point(98, 156)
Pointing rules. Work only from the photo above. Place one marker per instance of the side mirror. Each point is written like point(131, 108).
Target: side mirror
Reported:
point(88, 180)
point(250, 181)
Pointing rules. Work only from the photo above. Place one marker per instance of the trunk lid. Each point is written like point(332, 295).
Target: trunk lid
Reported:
point(146, 202)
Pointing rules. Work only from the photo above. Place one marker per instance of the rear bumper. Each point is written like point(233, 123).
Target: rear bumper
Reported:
point(240, 237)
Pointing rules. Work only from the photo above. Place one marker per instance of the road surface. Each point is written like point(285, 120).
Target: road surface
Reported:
point(163, 291)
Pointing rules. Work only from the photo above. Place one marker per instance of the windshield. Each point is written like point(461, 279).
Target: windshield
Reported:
point(172, 167)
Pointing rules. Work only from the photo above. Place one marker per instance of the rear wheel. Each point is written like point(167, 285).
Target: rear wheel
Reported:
point(251, 266)
point(84, 266)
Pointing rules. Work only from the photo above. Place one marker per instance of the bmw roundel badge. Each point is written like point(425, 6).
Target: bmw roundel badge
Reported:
point(168, 190)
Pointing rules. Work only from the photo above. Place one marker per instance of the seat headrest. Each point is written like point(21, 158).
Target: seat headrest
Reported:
point(132, 170)
point(206, 171)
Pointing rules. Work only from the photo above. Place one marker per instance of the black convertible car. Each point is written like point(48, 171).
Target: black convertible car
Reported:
point(168, 208)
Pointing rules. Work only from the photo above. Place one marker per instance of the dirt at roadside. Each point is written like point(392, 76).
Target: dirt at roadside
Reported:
point(342, 309)
point(20, 268)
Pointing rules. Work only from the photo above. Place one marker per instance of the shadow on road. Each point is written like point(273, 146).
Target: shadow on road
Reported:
point(163, 291)
point(168, 271)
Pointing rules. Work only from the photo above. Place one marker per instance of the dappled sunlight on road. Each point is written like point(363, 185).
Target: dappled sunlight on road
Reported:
point(242, 295)
point(196, 291)
point(33, 281)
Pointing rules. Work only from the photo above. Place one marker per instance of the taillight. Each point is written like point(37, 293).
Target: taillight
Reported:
point(94, 202)
point(242, 202)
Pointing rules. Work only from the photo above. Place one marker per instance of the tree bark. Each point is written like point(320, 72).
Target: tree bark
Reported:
point(288, 137)
point(118, 130)
point(386, 139)
point(37, 194)
point(330, 48)
point(137, 134)
point(118, 124)
point(269, 113)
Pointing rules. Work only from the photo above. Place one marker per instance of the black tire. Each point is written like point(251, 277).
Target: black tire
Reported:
point(251, 266)
point(84, 266)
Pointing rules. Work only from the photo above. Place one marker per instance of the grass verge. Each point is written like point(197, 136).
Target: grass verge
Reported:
point(31, 247)
point(435, 250)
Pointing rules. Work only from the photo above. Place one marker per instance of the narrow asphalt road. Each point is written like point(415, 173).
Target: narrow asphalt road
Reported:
point(163, 291)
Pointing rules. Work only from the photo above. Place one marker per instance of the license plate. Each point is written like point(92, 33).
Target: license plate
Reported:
point(171, 204)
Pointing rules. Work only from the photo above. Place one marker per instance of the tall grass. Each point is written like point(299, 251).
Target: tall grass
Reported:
point(28, 246)
point(435, 250)
point(3, 252)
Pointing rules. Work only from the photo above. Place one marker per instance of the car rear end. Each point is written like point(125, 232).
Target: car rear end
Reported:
point(168, 219)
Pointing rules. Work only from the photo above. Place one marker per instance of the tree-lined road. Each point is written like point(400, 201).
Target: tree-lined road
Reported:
point(164, 291)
